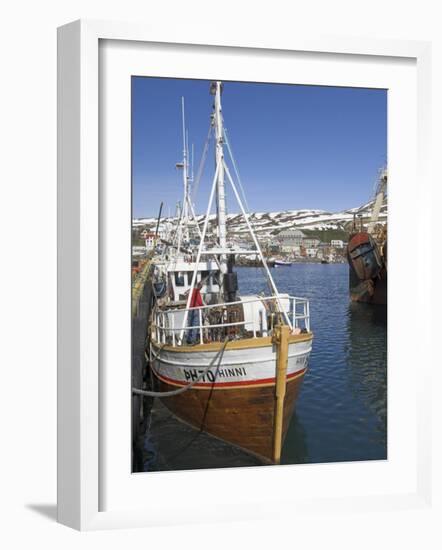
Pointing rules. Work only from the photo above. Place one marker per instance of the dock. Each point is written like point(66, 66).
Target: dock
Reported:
point(160, 441)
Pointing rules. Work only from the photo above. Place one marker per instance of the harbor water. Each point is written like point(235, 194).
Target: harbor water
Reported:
point(341, 412)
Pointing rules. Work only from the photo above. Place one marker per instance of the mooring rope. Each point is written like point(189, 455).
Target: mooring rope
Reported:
point(188, 386)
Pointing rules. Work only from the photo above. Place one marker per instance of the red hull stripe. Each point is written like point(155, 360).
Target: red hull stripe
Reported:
point(228, 384)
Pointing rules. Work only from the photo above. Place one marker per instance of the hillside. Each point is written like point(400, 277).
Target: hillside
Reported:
point(268, 224)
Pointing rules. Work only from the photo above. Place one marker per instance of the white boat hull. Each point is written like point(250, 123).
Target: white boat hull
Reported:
point(238, 367)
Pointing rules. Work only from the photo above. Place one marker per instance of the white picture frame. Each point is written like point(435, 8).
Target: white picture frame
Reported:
point(80, 437)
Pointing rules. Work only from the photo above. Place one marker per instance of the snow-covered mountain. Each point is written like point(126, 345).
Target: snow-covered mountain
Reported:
point(271, 223)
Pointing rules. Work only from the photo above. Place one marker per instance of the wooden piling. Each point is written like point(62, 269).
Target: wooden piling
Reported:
point(281, 340)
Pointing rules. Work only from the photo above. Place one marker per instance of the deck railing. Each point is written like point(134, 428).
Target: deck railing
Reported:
point(167, 323)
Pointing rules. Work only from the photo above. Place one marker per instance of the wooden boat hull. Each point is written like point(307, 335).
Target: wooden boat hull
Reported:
point(236, 400)
point(243, 418)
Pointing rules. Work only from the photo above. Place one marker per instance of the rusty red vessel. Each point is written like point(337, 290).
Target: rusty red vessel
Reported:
point(367, 249)
point(367, 258)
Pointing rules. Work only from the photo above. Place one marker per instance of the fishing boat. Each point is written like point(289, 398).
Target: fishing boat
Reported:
point(367, 253)
point(282, 263)
point(221, 366)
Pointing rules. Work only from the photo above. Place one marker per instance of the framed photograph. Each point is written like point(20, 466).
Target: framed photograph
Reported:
point(224, 213)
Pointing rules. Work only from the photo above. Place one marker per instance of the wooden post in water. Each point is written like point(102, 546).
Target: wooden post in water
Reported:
point(281, 340)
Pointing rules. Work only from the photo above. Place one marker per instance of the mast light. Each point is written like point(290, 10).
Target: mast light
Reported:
point(213, 87)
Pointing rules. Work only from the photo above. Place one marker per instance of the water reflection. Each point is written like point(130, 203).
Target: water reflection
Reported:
point(296, 452)
point(367, 361)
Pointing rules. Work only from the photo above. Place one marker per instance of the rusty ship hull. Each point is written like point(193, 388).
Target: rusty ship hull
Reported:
point(367, 261)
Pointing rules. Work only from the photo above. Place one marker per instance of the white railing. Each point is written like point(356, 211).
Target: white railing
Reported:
point(167, 323)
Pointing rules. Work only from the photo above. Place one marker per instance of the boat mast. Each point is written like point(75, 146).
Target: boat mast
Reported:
point(216, 90)
point(185, 168)
point(183, 220)
point(158, 224)
point(218, 185)
point(379, 199)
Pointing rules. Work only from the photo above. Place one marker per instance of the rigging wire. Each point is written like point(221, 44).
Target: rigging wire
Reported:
point(247, 208)
point(235, 168)
point(202, 163)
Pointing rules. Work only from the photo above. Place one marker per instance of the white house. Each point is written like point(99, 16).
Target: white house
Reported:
point(149, 239)
point(337, 243)
point(311, 252)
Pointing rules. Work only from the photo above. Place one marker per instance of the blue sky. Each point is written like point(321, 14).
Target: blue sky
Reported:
point(295, 146)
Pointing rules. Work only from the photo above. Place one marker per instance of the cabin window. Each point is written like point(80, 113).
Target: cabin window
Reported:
point(215, 278)
point(204, 276)
point(179, 279)
point(189, 277)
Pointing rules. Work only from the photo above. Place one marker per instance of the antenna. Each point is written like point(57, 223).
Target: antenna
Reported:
point(184, 123)
point(187, 148)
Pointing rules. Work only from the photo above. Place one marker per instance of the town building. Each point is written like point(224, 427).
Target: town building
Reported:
point(291, 234)
point(309, 242)
point(290, 246)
